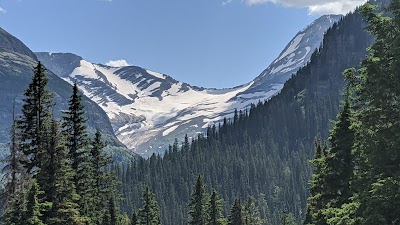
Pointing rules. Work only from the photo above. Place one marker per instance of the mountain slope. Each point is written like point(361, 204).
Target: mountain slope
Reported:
point(265, 153)
point(16, 63)
point(148, 110)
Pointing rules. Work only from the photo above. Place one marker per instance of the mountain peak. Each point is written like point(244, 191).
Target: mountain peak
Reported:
point(9, 42)
point(295, 55)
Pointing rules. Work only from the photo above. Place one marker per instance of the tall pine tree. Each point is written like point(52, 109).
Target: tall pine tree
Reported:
point(215, 216)
point(37, 114)
point(198, 204)
point(149, 214)
point(77, 142)
point(236, 217)
point(251, 213)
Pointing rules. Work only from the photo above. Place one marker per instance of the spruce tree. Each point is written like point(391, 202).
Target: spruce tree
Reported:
point(34, 208)
point(13, 170)
point(198, 204)
point(77, 142)
point(112, 209)
point(15, 179)
point(251, 213)
point(149, 214)
point(288, 219)
point(134, 218)
point(376, 121)
point(37, 114)
point(15, 209)
point(339, 160)
point(104, 181)
point(65, 209)
point(215, 216)
point(236, 217)
point(75, 129)
point(318, 199)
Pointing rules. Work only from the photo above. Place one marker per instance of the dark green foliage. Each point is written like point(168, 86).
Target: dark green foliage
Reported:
point(59, 161)
point(104, 184)
point(149, 214)
point(376, 121)
point(339, 159)
point(77, 143)
point(198, 204)
point(362, 165)
point(134, 218)
point(288, 219)
point(318, 199)
point(75, 130)
point(37, 114)
point(236, 217)
point(251, 213)
point(112, 210)
point(215, 210)
point(64, 198)
point(34, 208)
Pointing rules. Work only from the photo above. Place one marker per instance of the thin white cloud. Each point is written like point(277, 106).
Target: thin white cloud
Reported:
point(226, 2)
point(117, 63)
point(315, 7)
point(2, 10)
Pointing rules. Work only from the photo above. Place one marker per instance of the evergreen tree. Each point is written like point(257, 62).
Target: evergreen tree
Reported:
point(112, 209)
point(318, 199)
point(251, 213)
point(77, 142)
point(330, 186)
point(134, 218)
point(75, 130)
point(104, 181)
point(198, 204)
point(288, 219)
point(15, 209)
point(65, 209)
point(37, 115)
point(15, 179)
point(339, 160)
point(34, 208)
point(13, 170)
point(215, 216)
point(236, 217)
point(376, 121)
point(149, 214)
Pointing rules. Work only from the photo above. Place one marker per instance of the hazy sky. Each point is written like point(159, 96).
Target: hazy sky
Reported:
point(209, 43)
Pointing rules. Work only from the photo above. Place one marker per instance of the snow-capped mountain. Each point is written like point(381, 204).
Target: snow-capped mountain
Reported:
point(295, 55)
point(148, 110)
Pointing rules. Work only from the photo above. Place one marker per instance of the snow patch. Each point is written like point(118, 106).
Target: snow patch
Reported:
point(294, 45)
point(169, 130)
point(158, 75)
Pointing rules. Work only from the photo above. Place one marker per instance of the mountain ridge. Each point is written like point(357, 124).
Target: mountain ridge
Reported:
point(148, 110)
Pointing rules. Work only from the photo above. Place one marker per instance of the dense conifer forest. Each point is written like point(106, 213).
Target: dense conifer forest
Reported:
point(252, 169)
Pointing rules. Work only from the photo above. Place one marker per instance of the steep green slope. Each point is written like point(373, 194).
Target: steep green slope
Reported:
point(264, 151)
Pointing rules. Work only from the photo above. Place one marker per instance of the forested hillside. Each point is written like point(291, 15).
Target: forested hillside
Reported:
point(357, 177)
point(262, 152)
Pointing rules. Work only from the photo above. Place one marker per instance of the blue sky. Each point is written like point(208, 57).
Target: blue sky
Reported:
point(209, 43)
